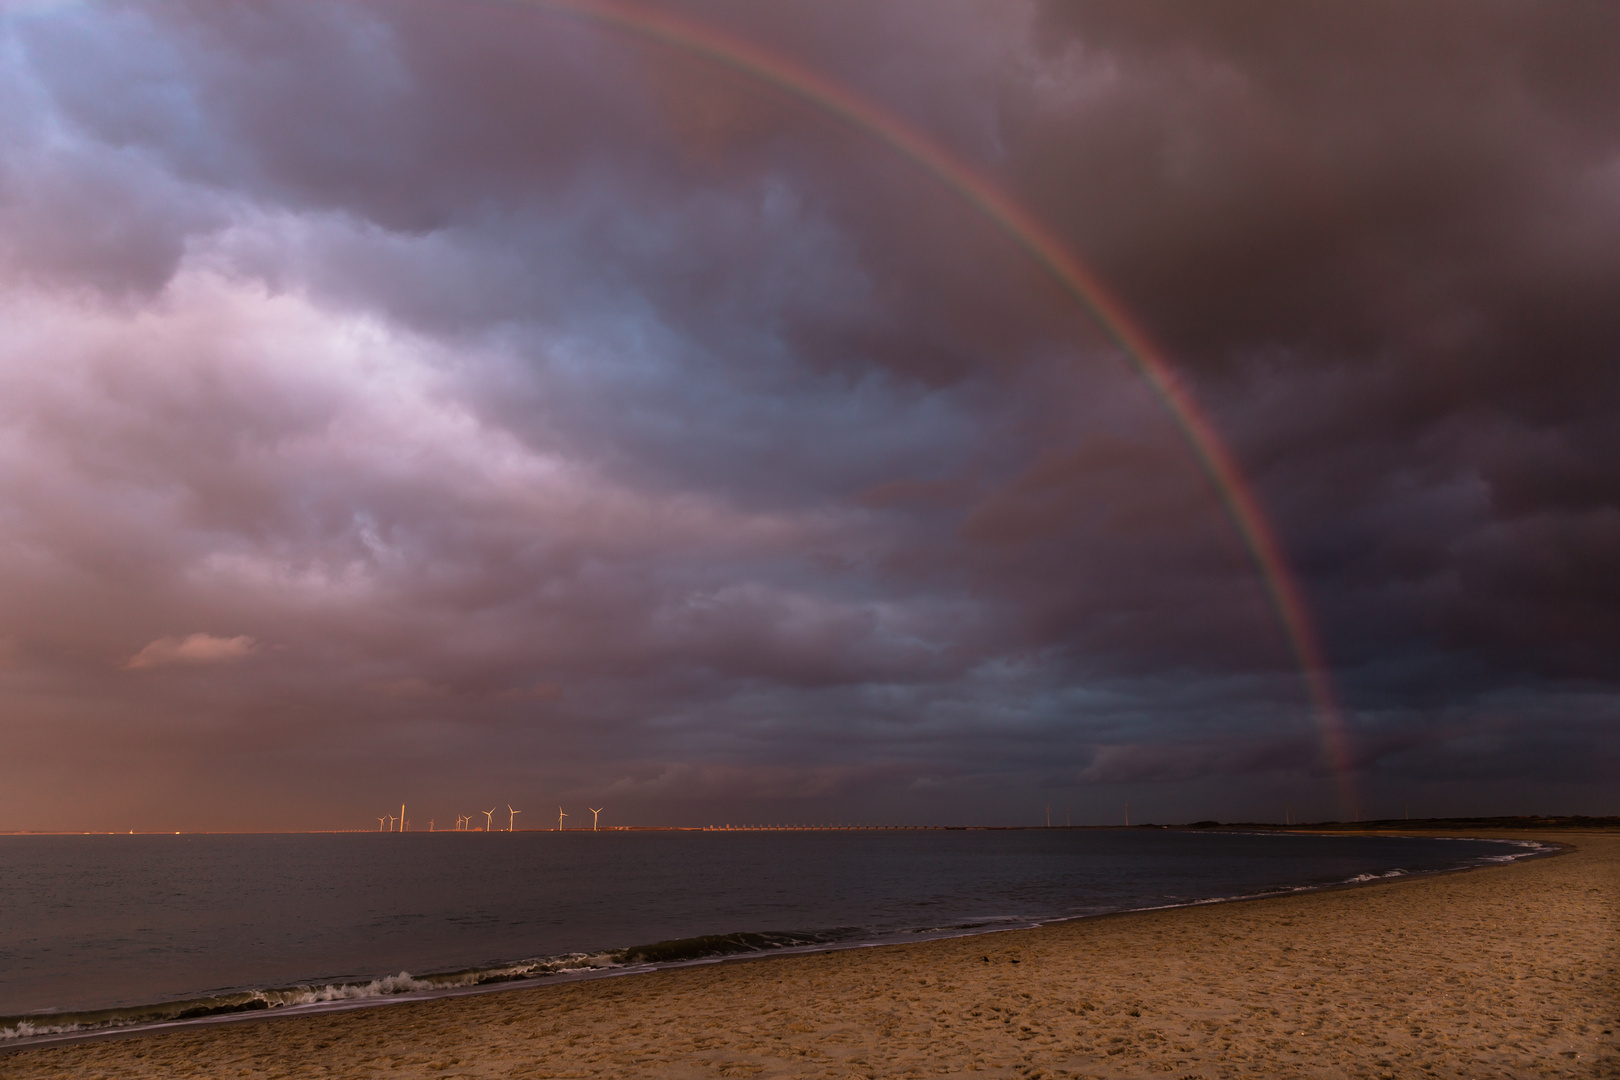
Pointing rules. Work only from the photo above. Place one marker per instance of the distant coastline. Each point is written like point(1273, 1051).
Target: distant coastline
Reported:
point(1377, 825)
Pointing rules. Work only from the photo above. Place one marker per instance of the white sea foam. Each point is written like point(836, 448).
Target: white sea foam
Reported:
point(293, 997)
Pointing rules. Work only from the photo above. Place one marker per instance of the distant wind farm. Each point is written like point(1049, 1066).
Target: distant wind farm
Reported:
point(464, 822)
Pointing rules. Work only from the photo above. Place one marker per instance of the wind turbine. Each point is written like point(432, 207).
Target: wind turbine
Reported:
point(596, 812)
point(380, 823)
point(560, 816)
point(390, 822)
point(489, 819)
point(512, 825)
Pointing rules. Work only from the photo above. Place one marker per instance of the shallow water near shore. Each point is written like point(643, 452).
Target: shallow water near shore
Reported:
point(106, 931)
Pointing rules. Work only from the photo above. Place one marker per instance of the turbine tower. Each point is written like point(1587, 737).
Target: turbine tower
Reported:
point(596, 813)
point(560, 816)
point(512, 825)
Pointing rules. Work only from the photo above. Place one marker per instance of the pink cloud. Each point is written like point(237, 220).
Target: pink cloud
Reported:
point(195, 649)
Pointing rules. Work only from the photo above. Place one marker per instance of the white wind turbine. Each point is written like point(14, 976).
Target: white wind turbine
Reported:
point(390, 822)
point(560, 816)
point(489, 819)
point(380, 823)
point(512, 825)
point(596, 813)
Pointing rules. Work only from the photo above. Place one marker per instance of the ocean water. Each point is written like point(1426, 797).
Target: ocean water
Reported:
point(100, 931)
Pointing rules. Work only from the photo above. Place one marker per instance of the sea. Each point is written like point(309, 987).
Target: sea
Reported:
point(107, 931)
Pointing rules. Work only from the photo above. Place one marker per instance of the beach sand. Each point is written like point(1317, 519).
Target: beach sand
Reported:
point(1502, 972)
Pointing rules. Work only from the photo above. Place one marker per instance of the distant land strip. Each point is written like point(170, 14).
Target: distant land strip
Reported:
point(1578, 821)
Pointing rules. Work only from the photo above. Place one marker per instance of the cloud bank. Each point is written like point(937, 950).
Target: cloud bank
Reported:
point(581, 420)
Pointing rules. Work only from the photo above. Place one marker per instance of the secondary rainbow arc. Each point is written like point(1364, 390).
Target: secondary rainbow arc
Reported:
point(1236, 494)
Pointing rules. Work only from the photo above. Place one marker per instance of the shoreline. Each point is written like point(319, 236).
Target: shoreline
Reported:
point(1541, 848)
point(495, 979)
point(1451, 975)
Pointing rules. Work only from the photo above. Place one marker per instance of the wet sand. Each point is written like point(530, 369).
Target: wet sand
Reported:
point(1502, 972)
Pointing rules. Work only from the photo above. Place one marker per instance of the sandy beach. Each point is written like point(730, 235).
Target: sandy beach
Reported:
point(1501, 972)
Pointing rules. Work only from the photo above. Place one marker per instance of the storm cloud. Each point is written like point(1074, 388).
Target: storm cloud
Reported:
point(450, 401)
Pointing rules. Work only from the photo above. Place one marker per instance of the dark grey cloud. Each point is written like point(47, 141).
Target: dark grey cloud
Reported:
point(454, 396)
point(1384, 235)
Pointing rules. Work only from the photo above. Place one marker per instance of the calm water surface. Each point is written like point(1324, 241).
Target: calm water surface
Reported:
point(114, 922)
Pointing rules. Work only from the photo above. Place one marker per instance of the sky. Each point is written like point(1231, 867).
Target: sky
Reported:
point(457, 402)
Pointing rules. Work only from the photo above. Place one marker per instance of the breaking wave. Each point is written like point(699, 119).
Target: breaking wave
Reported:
point(657, 954)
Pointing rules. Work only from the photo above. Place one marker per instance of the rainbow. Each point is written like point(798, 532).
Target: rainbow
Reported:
point(1236, 494)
